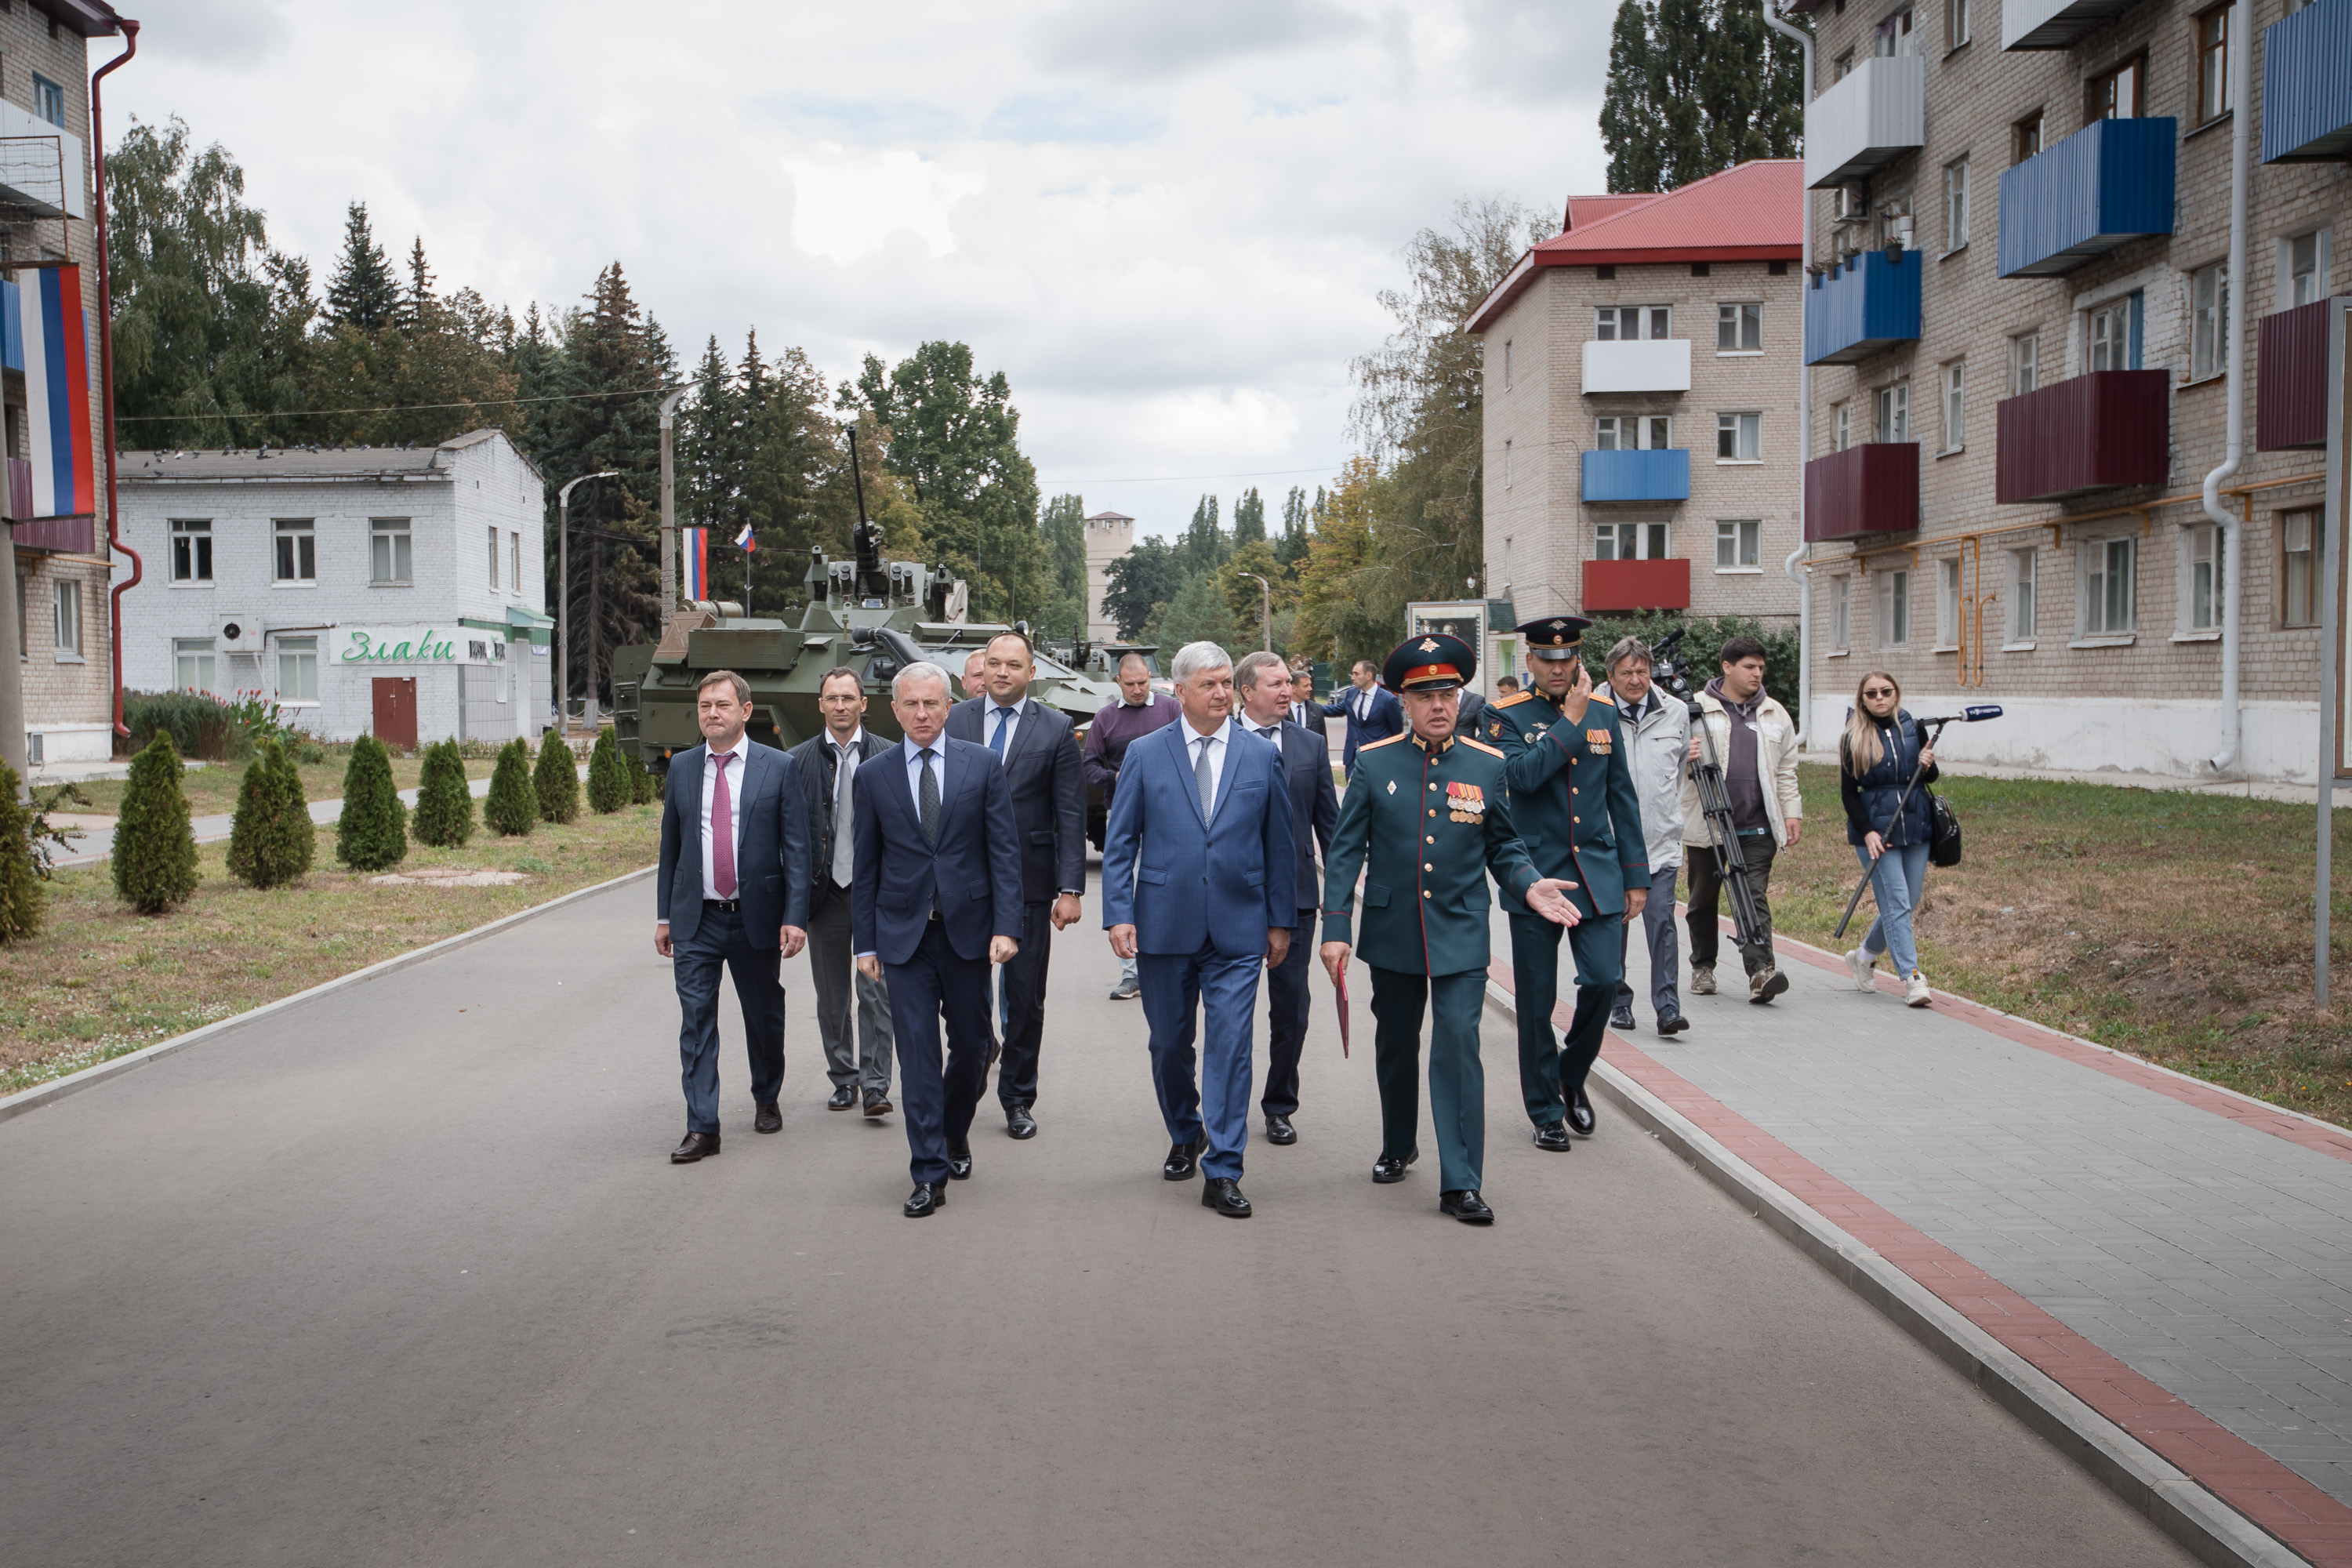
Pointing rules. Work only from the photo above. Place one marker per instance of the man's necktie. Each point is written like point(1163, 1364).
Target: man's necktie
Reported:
point(722, 833)
point(930, 800)
point(997, 742)
point(1206, 779)
point(1270, 731)
point(843, 848)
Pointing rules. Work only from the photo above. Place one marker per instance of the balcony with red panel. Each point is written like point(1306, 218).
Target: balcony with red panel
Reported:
point(2291, 379)
point(1661, 585)
point(1867, 489)
point(73, 535)
point(2100, 431)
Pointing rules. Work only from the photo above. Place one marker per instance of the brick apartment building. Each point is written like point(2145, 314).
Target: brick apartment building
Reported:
point(1641, 404)
point(2018, 330)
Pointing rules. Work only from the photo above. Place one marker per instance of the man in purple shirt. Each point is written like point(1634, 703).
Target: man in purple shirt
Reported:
point(1117, 726)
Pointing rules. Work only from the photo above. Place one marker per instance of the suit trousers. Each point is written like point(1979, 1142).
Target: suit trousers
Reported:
point(1658, 932)
point(1457, 1081)
point(833, 970)
point(1222, 992)
point(1548, 1071)
point(939, 1097)
point(1285, 1019)
point(1707, 892)
point(1024, 998)
point(720, 939)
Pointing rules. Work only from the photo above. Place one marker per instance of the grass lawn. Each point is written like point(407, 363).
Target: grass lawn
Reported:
point(2174, 926)
point(212, 789)
point(101, 981)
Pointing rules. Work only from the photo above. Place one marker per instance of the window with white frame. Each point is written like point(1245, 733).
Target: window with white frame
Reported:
point(1956, 204)
point(191, 661)
point(2203, 586)
point(493, 560)
point(1895, 412)
point(1959, 26)
point(514, 561)
point(1632, 432)
point(1739, 543)
point(1506, 465)
point(2024, 363)
point(1623, 323)
point(65, 602)
point(297, 546)
point(2208, 316)
point(2021, 594)
point(1841, 425)
point(1955, 423)
point(2113, 342)
point(2211, 32)
point(389, 551)
point(1739, 328)
point(2299, 535)
point(1629, 541)
point(1740, 437)
point(1841, 613)
point(2109, 580)
point(297, 669)
point(2303, 261)
point(192, 550)
point(1895, 36)
point(1948, 602)
point(1894, 617)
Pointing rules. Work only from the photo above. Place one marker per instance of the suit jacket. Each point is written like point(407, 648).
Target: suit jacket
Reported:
point(1184, 880)
point(771, 860)
point(1468, 721)
point(1047, 779)
point(814, 756)
point(972, 876)
point(1387, 718)
point(1308, 715)
point(1314, 806)
point(1573, 799)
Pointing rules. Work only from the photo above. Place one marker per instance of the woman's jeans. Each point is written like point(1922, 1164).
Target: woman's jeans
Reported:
point(1895, 878)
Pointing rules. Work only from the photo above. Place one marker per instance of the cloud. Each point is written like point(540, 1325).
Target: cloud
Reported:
point(848, 203)
point(1157, 39)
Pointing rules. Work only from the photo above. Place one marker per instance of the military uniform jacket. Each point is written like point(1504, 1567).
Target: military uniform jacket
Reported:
point(1573, 799)
point(1430, 821)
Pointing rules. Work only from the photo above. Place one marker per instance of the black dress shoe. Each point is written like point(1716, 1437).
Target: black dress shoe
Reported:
point(843, 1099)
point(698, 1146)
point(1018, 1122)
point(1580, 1120)
point(1223, 1194)
point(927, 1198)
point(1552, 1137)
point(1621, 1018)
point(1388, 1168)
point(1278, 1130)
point(959, 1160)
point(1673, 1023)
point(1183, 1159)
point(1466, 1206)
point(769, 1119)
point(878, 1106)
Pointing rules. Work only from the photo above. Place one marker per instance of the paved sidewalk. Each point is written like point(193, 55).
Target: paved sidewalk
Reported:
point(2199, 1239)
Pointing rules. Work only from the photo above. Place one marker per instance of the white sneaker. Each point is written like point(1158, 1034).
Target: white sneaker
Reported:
point(1859, 963)
point(1915, 991)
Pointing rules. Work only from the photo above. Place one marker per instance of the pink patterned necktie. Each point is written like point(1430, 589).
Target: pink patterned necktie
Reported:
point(722, 834)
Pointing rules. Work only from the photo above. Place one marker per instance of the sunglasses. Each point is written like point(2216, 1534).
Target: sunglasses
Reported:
point(1879, 692)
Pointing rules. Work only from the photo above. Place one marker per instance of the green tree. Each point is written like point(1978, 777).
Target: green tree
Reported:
point(363, 292)
point(271, 839)
point(23, 902)
point(373, 833)
point(444, 806)
point(1146, 576)
point(608, 776)
point(1291, 549)
point(1249, 517)
point(1245, 599)
point(556, 779)
point(1204, 546)
point(1694, 87)
point(511, 808)
point(154, 843)
point(1063, 526)
point(644, 784)
point(1199, 614)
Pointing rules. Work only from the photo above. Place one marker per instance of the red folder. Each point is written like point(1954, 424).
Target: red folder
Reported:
point(1341, 997)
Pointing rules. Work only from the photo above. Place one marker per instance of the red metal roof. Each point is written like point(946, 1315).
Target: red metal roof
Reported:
point(1583, 212)
point(1749, 211)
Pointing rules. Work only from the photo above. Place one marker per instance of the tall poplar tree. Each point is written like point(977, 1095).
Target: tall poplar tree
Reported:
point(1695, 86)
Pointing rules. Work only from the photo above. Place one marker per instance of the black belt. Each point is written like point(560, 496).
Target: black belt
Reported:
point(730, 905)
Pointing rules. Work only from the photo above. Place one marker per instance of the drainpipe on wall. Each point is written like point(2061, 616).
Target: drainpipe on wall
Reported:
point(106, 370)
point(2231, 531)
point(1804, 42)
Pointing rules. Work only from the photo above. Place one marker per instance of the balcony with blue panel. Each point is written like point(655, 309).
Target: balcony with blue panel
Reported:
point(1662, 474)
point(2307, 85)
point(12, 326)
point(2105, 185)
point(1869, 303)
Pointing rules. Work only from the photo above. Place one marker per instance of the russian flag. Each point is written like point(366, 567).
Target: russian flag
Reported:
point(744, 540)
point(56, 394)
point(694, 564)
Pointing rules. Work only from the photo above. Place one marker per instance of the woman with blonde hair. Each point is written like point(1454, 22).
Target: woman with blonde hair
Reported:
point(1880, 747)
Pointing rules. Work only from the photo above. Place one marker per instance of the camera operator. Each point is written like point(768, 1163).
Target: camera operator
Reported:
point(1756, 744)
point(1656, 731)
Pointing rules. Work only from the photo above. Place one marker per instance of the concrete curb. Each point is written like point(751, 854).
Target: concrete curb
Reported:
point(49, 1093)
point(2216, 1532)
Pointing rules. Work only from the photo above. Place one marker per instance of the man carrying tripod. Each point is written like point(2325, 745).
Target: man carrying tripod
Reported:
point(1750, 736)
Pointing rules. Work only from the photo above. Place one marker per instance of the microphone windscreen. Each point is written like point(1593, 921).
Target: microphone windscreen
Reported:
point(1982, 711)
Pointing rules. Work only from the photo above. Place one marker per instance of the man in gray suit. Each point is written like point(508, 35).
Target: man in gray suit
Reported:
point(828, 760)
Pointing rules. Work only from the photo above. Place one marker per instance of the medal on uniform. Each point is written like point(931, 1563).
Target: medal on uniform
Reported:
point(1465, 802)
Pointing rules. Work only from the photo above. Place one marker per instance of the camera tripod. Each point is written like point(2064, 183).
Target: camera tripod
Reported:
point(1715, 803)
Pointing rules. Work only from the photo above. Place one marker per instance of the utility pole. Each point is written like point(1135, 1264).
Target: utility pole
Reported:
point(1265, 599)
point(564, 597)
point(670, 511)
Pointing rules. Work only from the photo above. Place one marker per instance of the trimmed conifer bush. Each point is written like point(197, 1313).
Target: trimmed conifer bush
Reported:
point(512, 806)
point(644, 784)
point(23, 902)
point(272, 839)
point(374, 833)
point(557, 779)
point(608, 774)
point(445, 807)
point(155, 844)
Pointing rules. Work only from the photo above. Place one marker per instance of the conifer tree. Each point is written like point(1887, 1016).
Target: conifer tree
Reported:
point(22, 900)
point(363, 291)
point(374, 833)
point(512, 806)
point(272, 838)
point(646, 784)
point(608, 776)
point(154, 844)
point(556, 779)
point(445, 807)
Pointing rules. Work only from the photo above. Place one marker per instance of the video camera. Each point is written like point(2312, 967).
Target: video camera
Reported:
point(1669, 674)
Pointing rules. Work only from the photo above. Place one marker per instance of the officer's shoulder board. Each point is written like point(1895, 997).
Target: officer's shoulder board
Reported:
point(1383, 741)
point(1479, 746)
point(1513, 700)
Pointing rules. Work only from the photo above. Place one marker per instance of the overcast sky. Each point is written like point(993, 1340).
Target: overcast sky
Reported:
point(1166, 222)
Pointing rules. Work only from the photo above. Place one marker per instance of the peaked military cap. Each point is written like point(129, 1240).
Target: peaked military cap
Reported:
point(1431, 661)
point(1553, 636)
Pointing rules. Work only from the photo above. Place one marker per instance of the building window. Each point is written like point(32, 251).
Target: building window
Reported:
point(1956, 205)
point(2205, 584)
point(514, 561)
point(1895, 36)
point(1739, 543)
point(2299, 535)
point(2115, 94)
point(1893, 608)
point(388, 547)
point(2212, 65)
point(494, 550)
point(192, 661)
point(1840, 426)
point(297, 550)
point(1629, 541)
point(1623, 323)
point(2020, 595)
point(1507, 364)
point(2024, 363)
point(1506, 465)
point(1841, 66)
point(66, 603)
point(1841, 613)
point(1740, 437)
point(1948, 602)
point(50, 100)
point(1895, 412)
point(1739, 328)
point(297, 669)
point(2114, 342)
point(1632, 432)
point(2209, 313)
point(2026, 138)
point(192, 550)
point(2108, 608)
point(2306, 268)
point(1956, 386)
point(1959, 25)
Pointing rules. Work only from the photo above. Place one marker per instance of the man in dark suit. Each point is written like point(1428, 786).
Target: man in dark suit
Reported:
point(1372, 713)
point(1200, 877)
point(1304, 710)
point(936, 900)
point(732, 888)
point(1038, 750)
point(1264, 683)
point(829, 762)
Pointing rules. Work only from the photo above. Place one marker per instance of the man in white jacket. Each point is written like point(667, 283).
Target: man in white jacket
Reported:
point(1753, 740)
point(1656, 731)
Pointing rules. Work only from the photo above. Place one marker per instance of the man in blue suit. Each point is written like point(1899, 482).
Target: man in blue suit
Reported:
point(1199, 880)
point(935, 899)
point(1373, 712)
point(733, 890)
point(1263, 683)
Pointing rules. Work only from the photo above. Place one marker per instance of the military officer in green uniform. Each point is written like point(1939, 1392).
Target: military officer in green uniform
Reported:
point(1573, 803)
point(1431, 812)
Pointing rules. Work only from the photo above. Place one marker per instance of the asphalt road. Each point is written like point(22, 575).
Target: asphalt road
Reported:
point(402, 1277)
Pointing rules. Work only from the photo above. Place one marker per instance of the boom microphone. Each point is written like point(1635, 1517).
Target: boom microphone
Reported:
point(1972, 715)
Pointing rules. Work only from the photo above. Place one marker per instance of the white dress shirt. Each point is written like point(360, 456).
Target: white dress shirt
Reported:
point(1216, 739)
point(737, 760)
point(1012, 724)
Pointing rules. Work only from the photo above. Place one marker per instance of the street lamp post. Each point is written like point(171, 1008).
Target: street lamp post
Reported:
point(1266, 598)
point(564, 597)
point(670, 511)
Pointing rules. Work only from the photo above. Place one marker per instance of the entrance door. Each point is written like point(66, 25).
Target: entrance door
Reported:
point(395, 711)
